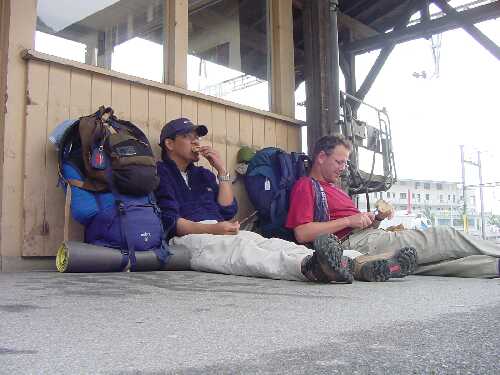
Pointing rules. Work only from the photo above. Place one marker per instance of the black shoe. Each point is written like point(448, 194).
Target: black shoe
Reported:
point(327, 263)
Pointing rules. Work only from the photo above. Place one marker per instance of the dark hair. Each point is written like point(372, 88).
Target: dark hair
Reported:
point(328, 143)
point(164, 153)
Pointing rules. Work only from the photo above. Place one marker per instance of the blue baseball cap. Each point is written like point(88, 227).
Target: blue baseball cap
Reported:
point(181, 126)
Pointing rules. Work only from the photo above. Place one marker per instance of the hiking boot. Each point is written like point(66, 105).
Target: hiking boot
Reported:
point(398, 264)
point(327, 263)
point(370, 270)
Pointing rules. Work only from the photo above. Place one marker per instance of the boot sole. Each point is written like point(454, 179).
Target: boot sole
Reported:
point(404, 263)
point(329, 251)
point(375, 271)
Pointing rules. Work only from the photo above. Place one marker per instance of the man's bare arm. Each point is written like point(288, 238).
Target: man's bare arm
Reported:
point(308, 232)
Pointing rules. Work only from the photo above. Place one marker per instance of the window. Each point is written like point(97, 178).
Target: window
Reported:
point(427, 185)
point(123, 36)
point(394, 195)
point(449, 198)
point(441, 198)
point(228, 51)
point(454, 198)
point(427, 197)
point(402, 196)
point(417, 185)
point(412, 195)
point(418, 197)
point(439, 186)
point(388, 194)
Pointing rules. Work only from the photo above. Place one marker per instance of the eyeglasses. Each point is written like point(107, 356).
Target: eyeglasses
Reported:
point(342, 163)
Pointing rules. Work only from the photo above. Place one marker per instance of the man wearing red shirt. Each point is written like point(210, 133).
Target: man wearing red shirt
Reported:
point(440, 250)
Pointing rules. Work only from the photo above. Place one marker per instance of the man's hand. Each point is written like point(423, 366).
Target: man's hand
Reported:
point(361, 220)
point(385, 215)
point(214, 159)
point(225, 228)
point(384, 210)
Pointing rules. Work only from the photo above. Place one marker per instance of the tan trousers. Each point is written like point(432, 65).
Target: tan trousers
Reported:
point(442, 251)
point(244, 254)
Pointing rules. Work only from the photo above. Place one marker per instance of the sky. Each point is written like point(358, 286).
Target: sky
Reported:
point(430, 117)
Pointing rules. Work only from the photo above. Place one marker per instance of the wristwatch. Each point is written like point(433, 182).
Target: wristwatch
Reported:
point(224, 177)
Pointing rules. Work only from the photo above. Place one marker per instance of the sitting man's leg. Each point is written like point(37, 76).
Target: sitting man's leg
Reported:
point(249, 254)
point(438, 245)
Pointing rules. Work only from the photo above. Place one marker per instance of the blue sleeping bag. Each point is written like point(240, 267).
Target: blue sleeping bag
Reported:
point(107, 216)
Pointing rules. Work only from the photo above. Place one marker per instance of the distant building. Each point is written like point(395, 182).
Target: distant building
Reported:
point(441, 201)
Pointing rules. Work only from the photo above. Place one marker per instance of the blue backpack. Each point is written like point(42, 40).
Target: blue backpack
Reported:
point(130, 223)
point(269, 179)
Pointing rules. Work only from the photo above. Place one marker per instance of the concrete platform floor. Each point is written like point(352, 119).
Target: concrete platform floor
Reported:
point(199, 323)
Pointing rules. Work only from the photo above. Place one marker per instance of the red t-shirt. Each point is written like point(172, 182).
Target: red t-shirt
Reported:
point(302, 204)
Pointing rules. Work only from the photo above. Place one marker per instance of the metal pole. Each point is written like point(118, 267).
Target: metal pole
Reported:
point(483, 227)
point(334, 102)
point(466, 226)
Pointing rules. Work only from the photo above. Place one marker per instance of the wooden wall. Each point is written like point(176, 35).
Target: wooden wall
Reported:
point(57, 92)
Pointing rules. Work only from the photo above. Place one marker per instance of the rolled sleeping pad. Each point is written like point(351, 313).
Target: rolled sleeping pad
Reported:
point(74, 256)
point(146, 261)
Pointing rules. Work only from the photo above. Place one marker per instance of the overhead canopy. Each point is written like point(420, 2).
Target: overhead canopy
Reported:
point(367, 25)
point(363, 25)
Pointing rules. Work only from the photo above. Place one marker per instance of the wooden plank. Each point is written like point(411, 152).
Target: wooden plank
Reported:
point(80, 105)
point(205, 118)
point(269, 132)
point(281, 135)
point(232, 127)
point(258, 131)
point(190, 108)
point(294, 138)
point(34, 159)
point(33, 55)
point(219, 130)
point(101, 91)
point(246, 130)
point(156, 118)
point(139, 109)
point(81, 93)
point(120, 98)
point(173, 107)
point(58, 111)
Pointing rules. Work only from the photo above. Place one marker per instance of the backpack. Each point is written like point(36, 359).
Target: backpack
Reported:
point(116, 154)
point(123, 217)
point(269, 179)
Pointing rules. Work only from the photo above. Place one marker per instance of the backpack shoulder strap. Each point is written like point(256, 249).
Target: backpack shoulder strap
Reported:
point(321, 212)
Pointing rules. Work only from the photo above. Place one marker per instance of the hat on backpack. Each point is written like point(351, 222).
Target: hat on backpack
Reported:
point(245, 154)
point(181, 126)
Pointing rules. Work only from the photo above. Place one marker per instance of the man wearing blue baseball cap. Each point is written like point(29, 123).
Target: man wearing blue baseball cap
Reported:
point(197, 208)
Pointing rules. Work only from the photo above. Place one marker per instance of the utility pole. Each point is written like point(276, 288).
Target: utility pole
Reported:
point(466, 224)
point(483, 226)
point(481, 197)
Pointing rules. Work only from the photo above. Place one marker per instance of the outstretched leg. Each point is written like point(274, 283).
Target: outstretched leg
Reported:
point(438, 245)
